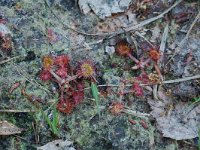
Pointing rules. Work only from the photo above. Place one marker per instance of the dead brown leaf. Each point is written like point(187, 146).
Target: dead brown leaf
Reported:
point(7, 128)
point(57, 145)
point(175, 119)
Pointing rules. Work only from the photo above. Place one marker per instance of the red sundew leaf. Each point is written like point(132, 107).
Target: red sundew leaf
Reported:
point(61, 60)
point(78, 97)
point(3, 21)
point(143, 78)
point(65, 106)
point(14, 86)
point(138, 91)
point(62, 72)
point(133, 122)
point(80, 86)
point(6, 45)
point(144, 124)
point(45, 75)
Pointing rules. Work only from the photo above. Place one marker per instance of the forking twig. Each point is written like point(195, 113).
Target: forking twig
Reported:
point(181, 79)
point(164, 82)
point(8, 60)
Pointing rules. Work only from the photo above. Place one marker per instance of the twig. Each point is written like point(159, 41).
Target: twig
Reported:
point(155, 92)
point(163, 43)
point(35, 133)
point(190, 143)
point(181, 79)
point(7, 60)
point(135, 113)
point(160, 61)
point(140, 35)
point(164, 82)
point(191, 107)
point(16, 111)
point(178, 48)
point(26, 140)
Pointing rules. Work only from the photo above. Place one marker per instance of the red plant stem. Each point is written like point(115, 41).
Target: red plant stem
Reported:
point(144, 63)
point(14, 86)
point(133, 122)
point(60, 80)
point(71, 78)
point(144, 124)
point(158, 71)
point(93, 79)
point(141, 64)
point(133, 58)
point(62, 92)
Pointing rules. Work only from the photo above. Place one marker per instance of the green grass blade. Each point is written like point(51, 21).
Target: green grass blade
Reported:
point(55, 121)
point(52, 124)
point(47, 119)
point(95, 94)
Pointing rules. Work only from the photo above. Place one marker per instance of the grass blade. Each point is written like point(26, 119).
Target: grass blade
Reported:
point(52, 124)
point(55, 121)
point(95, 94)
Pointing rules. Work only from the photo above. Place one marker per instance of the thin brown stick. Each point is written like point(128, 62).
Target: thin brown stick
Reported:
point(8, 60)
point(35, 133)
point(155, 92)
point(164, 82)
point(181, 79)
point(140, 35)
point(135, 113)
point(24, 139)
point(16, 111)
